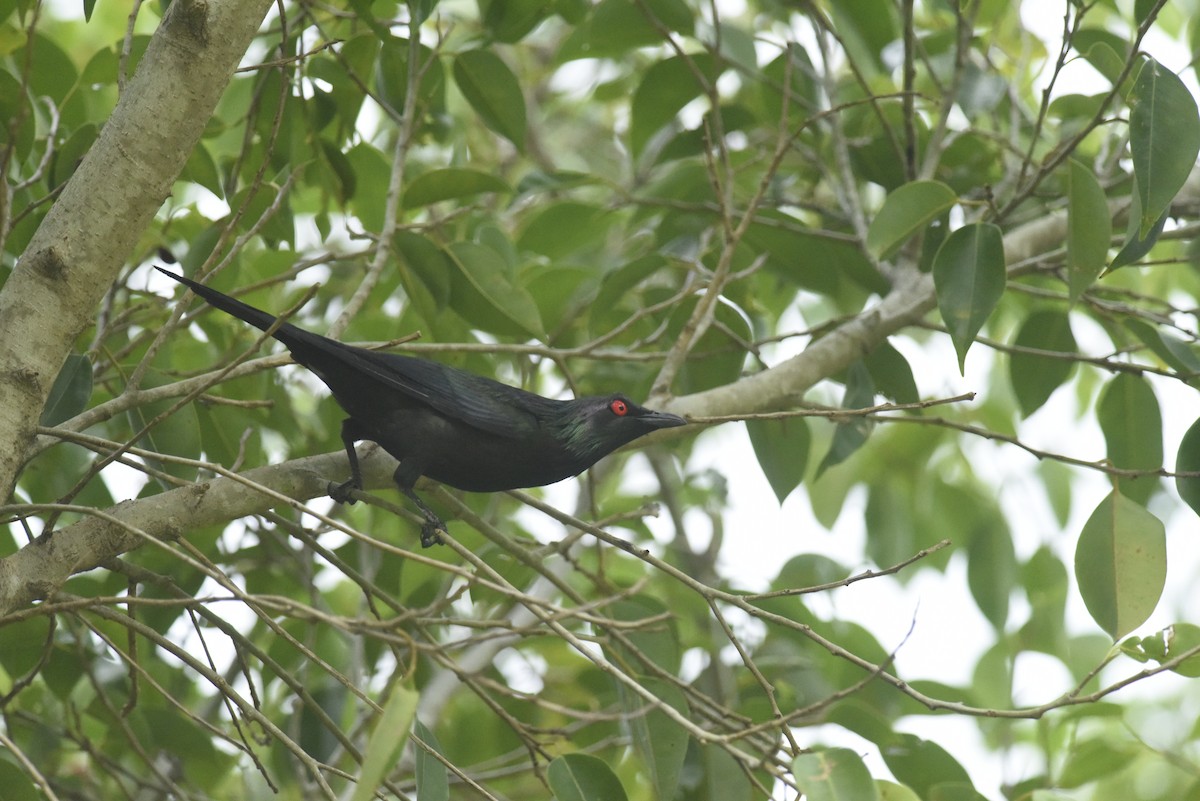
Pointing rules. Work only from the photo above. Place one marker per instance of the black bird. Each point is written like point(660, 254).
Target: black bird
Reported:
point(455, 427)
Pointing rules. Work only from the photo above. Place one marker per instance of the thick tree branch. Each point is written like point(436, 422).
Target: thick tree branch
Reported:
point(94, 225)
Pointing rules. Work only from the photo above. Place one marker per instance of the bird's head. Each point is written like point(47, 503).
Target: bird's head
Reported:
point(596, 426)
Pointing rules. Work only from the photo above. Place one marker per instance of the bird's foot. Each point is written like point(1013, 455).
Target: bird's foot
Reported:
point(341, 493)
point(431, 533)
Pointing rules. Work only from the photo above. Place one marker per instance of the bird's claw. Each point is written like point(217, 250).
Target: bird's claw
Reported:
point(341, 492)
point(430, 535)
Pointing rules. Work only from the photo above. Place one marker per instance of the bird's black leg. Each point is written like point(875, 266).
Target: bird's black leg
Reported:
point(406, 476)
point(350, 435)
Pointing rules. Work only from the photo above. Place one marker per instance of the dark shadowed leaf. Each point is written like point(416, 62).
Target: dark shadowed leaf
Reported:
point(1035, 377)
point(433, 780)
point(968, 273)
point(1187, 460)
point(71, 391)
point(850, 435)
point(892, 374)
point(580, 777)
point(782, 450)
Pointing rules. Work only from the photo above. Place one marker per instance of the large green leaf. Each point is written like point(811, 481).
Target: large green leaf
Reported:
point(388, 738)
point(782, 450)
point(487, 296)
point(451, 183)
point(833, 774)
point(926, 767)
point(1164, 139)
point(493, 91)
point(905, 212)
point(1129, 416)
point(969, 276)
point(1121, 564)
point(664, 89)
point(1035, 377)
point(433, 779)
point(1089, 228)
point(71, 391)
point(661, 743)
point(991, 565)
point(892, 374)
point(1187, 460)
point(850, 435)
point(580, 777)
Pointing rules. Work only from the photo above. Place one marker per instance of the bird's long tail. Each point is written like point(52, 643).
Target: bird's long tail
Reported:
point(286, 333)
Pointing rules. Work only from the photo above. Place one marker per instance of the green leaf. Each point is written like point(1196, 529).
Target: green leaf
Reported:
point(969, 276)
point(1093, 760)
point(892, 374)
point(493, 91)
point(782, 450)
point(449, 184)
point(17, 784)
point(1121, 564)
point(1034, 377)
point(388, 738)
point(664, 89)
point(1103, 50)
point(890, 791)
point(22, 645)
point(905, 212)
point(391, 72)
point(559, 230)
point(175, 435)
point(71, 391)
point(432, 777)
point(580, 777)
point(660, 741)
point(1129, 416)
point(991, 566)
point(1089, 229)
point(924, 766)
point(1137, 243)
point(1187, 460)
point(833, 774)
point(1164, 139)
point(849, 436)
point(652, 635)
point(486, 295)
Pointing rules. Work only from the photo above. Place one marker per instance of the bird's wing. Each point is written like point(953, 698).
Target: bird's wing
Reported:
point(475, 400)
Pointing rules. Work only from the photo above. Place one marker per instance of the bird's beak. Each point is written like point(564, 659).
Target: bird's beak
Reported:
point(663, 420)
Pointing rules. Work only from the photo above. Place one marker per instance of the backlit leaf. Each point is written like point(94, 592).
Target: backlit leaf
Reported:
point(1129, 416)
point(905, 212)
point(1121, 564)
point(833, 774)
point(1089, 228)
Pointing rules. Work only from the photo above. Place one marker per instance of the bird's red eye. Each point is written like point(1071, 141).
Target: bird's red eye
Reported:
point(619, 407)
